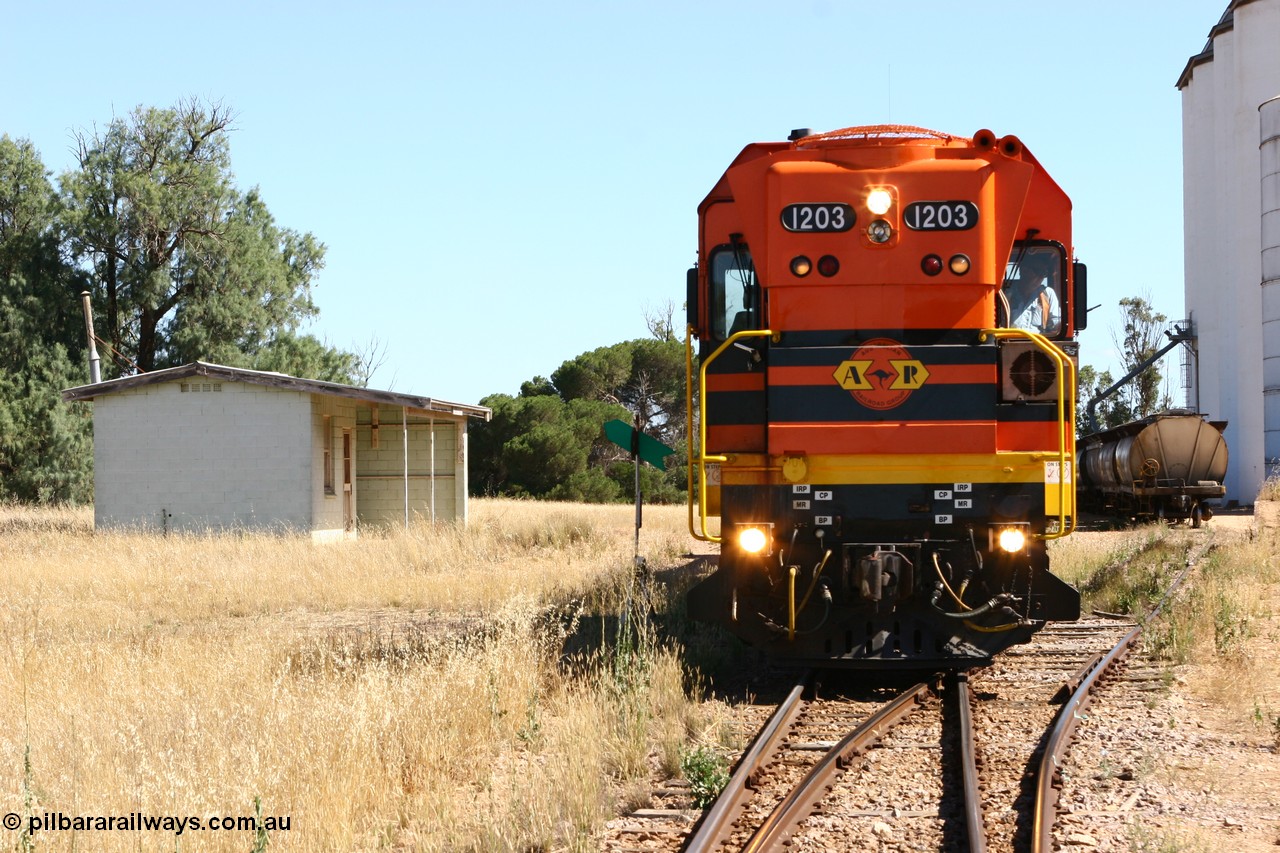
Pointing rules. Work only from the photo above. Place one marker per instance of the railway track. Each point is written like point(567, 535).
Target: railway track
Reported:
point(960, 763)
point(1016, 703)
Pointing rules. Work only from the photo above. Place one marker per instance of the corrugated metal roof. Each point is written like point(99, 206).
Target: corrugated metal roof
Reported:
point(1225, 24)
point(274, 380)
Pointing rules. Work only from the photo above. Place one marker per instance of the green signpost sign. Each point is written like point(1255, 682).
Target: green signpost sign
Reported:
point(642, 447)
point(629, 438)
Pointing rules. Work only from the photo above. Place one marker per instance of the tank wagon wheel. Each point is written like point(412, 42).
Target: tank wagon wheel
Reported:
point(1196, 517)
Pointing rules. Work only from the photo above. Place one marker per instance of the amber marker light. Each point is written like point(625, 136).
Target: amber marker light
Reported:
point(801, 266)
point(959, 264)
point(879, 201)
point(752, 540)
point(1012, 539)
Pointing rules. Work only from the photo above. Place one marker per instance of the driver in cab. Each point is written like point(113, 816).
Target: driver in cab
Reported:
point(1031, 294)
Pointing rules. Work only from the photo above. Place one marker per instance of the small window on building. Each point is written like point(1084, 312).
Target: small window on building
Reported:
point(328, 455)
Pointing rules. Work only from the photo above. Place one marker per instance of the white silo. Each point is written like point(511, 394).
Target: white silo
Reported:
point(1222, 87)
point(1269, 168)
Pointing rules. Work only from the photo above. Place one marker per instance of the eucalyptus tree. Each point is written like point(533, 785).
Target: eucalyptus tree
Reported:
point(183, 265)
point(1143, 337)
point(1142, 341)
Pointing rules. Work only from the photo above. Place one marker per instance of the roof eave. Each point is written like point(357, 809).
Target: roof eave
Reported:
point(428, 405)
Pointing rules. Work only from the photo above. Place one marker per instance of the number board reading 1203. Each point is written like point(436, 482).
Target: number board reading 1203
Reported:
point(940, 215)
point(828, 216)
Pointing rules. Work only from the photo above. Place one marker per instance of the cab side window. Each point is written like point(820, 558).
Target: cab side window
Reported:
point(1032, 291)
point(734, 291)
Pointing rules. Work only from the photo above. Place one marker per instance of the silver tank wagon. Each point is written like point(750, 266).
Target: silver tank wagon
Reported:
point(1163, 466)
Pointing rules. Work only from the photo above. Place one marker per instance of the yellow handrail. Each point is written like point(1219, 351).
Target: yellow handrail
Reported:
point(1066, 415)
point(700, 465)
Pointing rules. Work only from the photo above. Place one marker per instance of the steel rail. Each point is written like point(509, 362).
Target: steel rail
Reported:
point(713, 830)
point(1049, 781)
point(1050, 774)
point(810, 790)
point(974, 824)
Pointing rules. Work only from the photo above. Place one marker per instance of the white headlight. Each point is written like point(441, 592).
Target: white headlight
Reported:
point(879, 201)
point(752, 540)
point(1012, 539)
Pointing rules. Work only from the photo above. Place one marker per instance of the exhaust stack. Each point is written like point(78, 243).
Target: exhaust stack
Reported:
point(95, 363)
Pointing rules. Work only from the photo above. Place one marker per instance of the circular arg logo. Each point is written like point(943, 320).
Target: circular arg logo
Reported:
point(881, 374)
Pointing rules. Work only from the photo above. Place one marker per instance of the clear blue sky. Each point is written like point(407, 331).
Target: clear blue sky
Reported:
point(505, 185)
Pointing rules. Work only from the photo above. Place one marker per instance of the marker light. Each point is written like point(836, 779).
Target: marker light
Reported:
point(931, 264)
point(1012, 539)
point(801, 266)
point(879, 201)
point(752, 540)
point(879, 231)
point(959, 264)
point(828, 265)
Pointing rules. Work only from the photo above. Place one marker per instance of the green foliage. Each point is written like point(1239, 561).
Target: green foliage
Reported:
point(45, 444)
point(1132, 581)
point(244, 297)
point(46, 451)
point(25, 842)
point(1230, 626)
point(542, 446)
point(183, 265)
point(1163, 840)
point(1142, 338)
point(299, 355)
point(1110, 411)
point(706, 773)
point(260, 839)
point(646, 376)
point(549, 441)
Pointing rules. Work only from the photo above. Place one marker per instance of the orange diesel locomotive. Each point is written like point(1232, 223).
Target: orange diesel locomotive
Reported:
point(884, 396)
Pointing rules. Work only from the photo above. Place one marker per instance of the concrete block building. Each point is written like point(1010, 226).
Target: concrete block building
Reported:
point(208, 447)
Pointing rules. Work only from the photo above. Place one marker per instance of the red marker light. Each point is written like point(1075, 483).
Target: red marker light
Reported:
point(931, 264)
point(828, 265)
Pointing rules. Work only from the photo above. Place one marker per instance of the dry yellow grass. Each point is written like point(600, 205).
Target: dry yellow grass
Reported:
point(1077, 557)
point(1222, 623)
point(405, 691)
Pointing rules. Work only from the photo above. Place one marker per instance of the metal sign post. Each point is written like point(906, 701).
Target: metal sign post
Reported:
point(642, 448)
